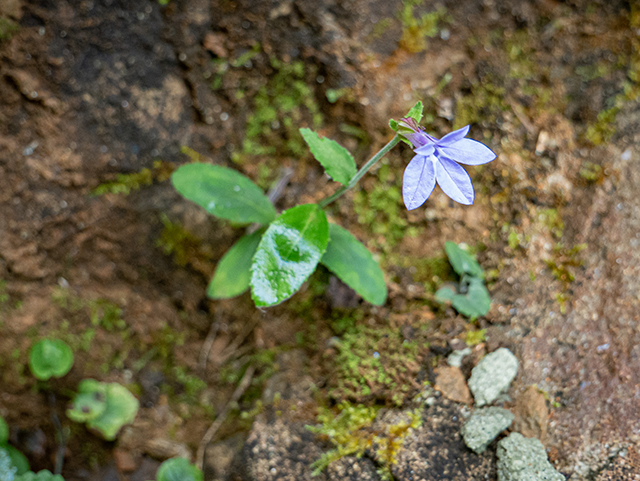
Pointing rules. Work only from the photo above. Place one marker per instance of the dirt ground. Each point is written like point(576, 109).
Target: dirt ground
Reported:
point(93, 92)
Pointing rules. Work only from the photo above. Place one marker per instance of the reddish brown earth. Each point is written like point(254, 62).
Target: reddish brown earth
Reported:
point(93, 89)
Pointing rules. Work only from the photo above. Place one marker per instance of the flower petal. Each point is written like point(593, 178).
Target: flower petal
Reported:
point(425, 150)
point(418, 181)
point(468, 152)
point(454, 181)
point(453, 137)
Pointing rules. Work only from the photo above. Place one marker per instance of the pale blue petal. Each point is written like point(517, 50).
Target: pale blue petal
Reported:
point(454, 181)
point(418, 181)
point(425, 150)
point(468, 151)
point(453, 137)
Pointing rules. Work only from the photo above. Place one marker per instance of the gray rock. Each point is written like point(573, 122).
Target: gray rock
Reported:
point(455, 358)
point(492, 376)
point(484, 425)
point(524, 459)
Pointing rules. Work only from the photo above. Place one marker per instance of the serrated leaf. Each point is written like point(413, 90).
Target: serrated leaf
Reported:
point(224, 193)
point(416, 112)
point(233, 272)
point(288, 253)
point(178, 469)
point(462, 262)
point(50, 358)
point(350, 260)
point(475, 303)
point(336, 160)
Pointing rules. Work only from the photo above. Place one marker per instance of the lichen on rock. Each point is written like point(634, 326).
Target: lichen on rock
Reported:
point(484, 426)
point(492, 376)
point(524, 459)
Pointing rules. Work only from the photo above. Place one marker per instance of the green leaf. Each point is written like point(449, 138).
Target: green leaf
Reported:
point(233, 273)
point(19, 460)
point(122, 407)
point(475, 303)
point(416, 112)
point(462, 262)
point(350, 260)
point(288, 253)
point(336, 160)
point(7, 469)
point(223, 192)
point(43, 475)
point(90, 402)
point(178, 469)
point(394, 125)
point(4, 431)
point(50, 358)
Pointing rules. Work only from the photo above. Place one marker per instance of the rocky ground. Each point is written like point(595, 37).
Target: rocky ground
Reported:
point(92, 93)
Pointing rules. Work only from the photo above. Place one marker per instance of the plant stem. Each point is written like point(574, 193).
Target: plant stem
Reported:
point(363, 170)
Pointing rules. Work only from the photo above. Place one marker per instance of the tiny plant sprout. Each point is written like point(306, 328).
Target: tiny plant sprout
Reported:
point(104, 407)
point(50, 358)
point(178, 469)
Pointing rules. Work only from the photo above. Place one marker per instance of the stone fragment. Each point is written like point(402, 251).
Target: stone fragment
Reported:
point(455, 358)
point(532, 414)
point(450, 382)
point(484, 426)
point(492, 376)
point(125, 462)
point(524, 459)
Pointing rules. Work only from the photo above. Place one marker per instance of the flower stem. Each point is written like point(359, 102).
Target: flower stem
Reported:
point(363, 170)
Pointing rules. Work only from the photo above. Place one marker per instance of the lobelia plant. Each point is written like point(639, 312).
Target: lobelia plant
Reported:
point(279, 252)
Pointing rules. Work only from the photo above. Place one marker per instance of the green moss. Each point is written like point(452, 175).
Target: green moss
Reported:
point(351, 432)
point(553, 221)
point(281, 107)
point(185, 247)
point(8, 28)
point(382, 211)
point(126, 183)
point(475, 337)
point(416, 30)
point(591, 172)
point(485, 103)
point(376, 364)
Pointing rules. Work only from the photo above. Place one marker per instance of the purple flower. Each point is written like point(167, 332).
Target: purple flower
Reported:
point(438, 161)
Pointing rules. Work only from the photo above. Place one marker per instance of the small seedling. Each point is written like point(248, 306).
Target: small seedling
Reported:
point(104, 407)
point(279, 252)
point(50, 358)
point(178, 469)
point(472, 298)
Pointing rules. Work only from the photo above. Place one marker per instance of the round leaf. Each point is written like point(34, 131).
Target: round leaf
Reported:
point(178, 469)
point(224, 193)
point(19, 460)
point(475, 303)
point(350, 260)
point(88, 405)
point(121, 409)
point(288, 253)
point(233, 272)
point(44, 475)
point(50, 358)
